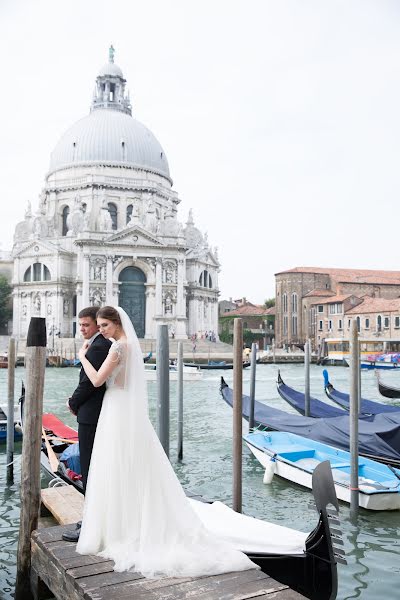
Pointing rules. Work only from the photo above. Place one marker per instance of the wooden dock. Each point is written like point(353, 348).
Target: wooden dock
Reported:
point(58, 571)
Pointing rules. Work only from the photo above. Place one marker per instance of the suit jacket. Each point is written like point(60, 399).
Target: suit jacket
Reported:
point(86, 400)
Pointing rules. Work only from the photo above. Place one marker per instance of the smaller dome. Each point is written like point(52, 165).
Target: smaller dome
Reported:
point(110, 69)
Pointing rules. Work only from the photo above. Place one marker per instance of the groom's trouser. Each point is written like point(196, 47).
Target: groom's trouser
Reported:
point(86, 435)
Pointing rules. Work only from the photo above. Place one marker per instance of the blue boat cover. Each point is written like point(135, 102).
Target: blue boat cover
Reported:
point(378, 437)
point(368, 407)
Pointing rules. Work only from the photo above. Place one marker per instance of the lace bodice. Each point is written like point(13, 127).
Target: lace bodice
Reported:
point(117, 377)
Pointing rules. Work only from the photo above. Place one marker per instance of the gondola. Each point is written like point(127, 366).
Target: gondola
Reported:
point(379, 436)
point(296, 399)
point(387, 390)
point(367, 407)
point(310, 570)
point(215, 365)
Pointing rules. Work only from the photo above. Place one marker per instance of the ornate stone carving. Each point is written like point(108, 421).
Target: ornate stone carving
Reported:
point(66, 306)
point(37, 303)
point(98, 268)
point(169, 272)
point(97, 296)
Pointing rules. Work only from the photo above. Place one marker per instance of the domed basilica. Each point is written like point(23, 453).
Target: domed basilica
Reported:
point(106, 230)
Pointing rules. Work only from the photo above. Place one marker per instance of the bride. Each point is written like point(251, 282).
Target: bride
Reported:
point(136, 512)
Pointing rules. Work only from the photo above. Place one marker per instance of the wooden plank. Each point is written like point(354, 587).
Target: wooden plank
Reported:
point(245, 584)
point(72, 576)
point(64, 502)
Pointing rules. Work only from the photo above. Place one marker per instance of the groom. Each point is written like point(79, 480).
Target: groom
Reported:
point(86, 400)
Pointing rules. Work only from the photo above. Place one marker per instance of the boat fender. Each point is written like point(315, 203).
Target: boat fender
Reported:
point(269, 470)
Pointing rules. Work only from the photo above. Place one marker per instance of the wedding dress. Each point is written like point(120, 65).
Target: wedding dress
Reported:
point(136, 512)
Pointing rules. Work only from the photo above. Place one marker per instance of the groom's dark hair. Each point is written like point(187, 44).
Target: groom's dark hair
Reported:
point(90, 311)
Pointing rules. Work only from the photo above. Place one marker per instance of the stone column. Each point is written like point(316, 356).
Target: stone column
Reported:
point(158, 311)
point(179, 290)
point(150, 332)
point(85, 280)
point(109, 281)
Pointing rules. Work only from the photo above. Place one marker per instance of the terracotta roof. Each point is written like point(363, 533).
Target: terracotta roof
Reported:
point(376, 305)
point(318, 293)
point(339, 298)
point(347, 275)
point(249, 310)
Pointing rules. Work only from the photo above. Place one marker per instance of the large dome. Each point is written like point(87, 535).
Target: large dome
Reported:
point(109, 137)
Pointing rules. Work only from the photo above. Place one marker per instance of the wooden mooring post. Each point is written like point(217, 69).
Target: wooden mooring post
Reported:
point(10, 411)
point(30, 469)
point(354, 415)
point(237, 413)
point(180, 400)
point(252, 384)
point(162, 366)
point(307, 354)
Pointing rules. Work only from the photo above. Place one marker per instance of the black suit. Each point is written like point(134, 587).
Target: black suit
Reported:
point(86, 403)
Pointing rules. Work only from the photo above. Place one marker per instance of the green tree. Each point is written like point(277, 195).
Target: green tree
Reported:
point(5, 308)
point(269, 302)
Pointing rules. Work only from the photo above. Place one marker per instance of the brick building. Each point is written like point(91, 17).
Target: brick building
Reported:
point(316, 303)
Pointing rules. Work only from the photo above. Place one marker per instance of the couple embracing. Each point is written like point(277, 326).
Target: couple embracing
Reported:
point(135, 512)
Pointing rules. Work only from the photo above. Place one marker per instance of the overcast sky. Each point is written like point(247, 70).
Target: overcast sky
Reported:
point(279, 118)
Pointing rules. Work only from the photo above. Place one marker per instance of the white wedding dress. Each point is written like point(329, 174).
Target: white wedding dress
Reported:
point(136, 512)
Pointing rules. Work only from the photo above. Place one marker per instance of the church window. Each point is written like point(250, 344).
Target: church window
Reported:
point(37, 272)
point(387, 321)
point(294, 303)
point(379, 323)
point(367, 323)
point(205, 279)
point(129, 210)
point(112, 209)
point(209, 281)
point(294, 325)
point(284, 303)
point(65, 214)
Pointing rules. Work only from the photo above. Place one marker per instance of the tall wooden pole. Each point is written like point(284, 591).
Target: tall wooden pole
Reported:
point(162, 366)
point(10, 411)
point(35, 360)
point(252, 384)
point(307, 378)
point(237, 413)
point(180, 400)
point(354, 402)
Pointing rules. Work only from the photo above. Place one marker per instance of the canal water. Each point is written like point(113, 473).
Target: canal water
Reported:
point(372, 546)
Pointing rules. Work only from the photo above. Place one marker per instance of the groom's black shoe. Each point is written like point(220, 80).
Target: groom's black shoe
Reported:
point(73, 534)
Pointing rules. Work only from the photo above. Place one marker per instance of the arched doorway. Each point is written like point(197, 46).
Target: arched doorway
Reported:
point(132, 297)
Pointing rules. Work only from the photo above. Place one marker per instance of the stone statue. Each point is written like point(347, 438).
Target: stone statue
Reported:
point(111, 52)
point(75, 219)
point(104, 221)
point(151, 221)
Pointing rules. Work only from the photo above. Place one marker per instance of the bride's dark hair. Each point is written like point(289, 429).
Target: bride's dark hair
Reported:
point(109, 313)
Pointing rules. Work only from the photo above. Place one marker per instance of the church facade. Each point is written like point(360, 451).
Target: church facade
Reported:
point(107, 232)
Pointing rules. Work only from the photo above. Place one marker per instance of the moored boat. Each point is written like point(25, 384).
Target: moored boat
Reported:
point(296, 457)
point(379, 437)
point(296, 399)
point(387, 391)
point(150, 373)
point(367, 407)
point(215, 365)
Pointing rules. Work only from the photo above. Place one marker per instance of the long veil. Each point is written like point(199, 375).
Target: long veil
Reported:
point(135, 382)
